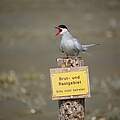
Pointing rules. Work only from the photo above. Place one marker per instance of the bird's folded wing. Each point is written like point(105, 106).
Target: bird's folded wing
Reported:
point(77, 44)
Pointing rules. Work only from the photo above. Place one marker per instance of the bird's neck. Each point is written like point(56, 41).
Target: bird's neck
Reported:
point(66, 35)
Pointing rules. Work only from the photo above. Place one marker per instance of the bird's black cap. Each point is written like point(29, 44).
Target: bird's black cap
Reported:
point(62, 26)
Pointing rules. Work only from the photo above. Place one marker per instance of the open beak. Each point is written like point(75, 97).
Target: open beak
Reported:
point(58, 31)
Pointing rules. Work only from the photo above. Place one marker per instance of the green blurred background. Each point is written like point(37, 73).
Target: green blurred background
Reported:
point(29, 48)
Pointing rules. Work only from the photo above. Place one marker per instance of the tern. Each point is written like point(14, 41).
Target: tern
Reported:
point(69, 44)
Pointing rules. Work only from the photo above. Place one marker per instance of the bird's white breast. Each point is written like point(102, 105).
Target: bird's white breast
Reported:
point(68, 46)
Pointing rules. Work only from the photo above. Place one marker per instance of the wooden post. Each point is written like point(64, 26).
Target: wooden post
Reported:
point(71, 109)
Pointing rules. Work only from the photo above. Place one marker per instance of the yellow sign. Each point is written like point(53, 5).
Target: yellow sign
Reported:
point(70, 83)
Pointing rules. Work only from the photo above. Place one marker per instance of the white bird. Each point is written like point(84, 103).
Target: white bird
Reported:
point(70, 45)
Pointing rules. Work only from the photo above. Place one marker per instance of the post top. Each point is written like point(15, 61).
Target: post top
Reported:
point(70, 61)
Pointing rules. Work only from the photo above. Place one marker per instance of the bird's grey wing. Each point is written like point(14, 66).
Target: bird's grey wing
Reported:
point(77, 44)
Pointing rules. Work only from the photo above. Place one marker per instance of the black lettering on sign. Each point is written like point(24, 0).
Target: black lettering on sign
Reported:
point(64, 78)
point(69, 83)
point(59, 91)
point(79, 89)
point(76, 77)
point(69, 90)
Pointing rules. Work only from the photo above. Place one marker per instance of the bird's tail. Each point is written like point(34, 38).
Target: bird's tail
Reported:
point(85, 47)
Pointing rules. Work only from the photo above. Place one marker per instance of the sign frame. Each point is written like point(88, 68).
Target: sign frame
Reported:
point(71, 69)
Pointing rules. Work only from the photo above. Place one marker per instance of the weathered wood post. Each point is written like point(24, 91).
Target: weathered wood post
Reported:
point(71, 107)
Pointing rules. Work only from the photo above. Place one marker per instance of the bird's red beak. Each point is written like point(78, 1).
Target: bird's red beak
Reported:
point(58, 31)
